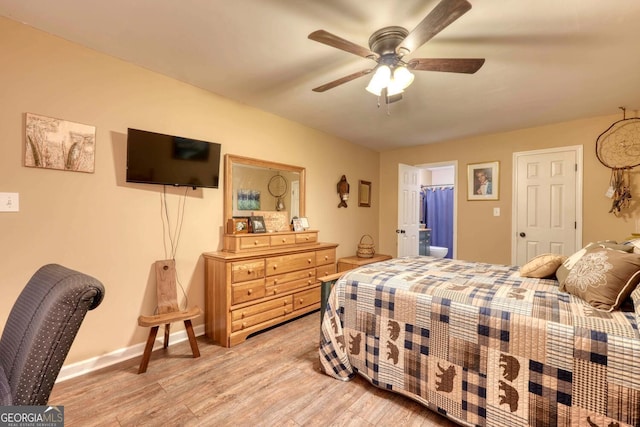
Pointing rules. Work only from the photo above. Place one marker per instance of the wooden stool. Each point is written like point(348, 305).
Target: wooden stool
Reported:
point(168, 312)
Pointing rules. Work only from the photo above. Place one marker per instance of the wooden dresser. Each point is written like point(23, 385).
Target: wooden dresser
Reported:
point(260, 280)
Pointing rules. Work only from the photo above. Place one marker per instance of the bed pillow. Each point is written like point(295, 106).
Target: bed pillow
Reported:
point(563, 271)
point(541, 266)
point(635, 244)
point(604, 277)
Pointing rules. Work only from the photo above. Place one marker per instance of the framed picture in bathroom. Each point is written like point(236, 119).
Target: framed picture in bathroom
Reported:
point(483, 180)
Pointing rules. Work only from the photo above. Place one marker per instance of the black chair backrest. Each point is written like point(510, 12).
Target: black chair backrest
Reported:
point(40, 329)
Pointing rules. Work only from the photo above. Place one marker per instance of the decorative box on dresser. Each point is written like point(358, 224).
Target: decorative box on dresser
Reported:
point(260, 280)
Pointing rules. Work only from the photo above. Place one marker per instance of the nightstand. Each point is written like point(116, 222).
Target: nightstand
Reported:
point(352, 262)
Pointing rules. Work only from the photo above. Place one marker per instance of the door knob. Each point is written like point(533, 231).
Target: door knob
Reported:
point(522, 234)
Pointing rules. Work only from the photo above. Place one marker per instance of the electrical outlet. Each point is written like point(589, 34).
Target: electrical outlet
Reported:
point(9, 202)
point(496, 211)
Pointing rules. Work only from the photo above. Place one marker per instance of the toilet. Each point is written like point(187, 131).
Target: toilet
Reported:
point(438, 251)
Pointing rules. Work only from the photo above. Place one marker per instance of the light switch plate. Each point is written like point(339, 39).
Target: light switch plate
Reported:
point(9, 202)
point(496, 211)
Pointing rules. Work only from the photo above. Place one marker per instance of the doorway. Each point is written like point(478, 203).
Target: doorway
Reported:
point(438, 214)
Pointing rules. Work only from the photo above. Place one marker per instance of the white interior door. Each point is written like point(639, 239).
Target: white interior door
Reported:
point(547, 203)
point(408, 210)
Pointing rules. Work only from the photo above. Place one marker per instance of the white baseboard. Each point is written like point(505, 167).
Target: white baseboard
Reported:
point(84, 367)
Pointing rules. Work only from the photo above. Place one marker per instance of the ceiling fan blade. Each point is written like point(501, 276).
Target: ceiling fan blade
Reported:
point(332, 40)
point(342, 80)
point(437, 20)
point(450, 65)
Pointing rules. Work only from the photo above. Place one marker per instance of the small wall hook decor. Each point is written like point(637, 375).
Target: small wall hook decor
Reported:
point(343, 191)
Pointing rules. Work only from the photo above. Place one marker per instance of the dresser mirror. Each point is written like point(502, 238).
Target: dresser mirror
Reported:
point(262, 187)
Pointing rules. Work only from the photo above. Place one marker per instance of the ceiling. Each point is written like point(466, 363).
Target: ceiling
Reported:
point(547, 61)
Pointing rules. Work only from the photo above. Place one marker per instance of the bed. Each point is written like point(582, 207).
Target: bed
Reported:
point(484, 346)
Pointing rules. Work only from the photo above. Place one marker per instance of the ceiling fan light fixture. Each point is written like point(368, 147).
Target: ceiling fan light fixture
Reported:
point(402, 77)
point(380, 80)
point(394, 87)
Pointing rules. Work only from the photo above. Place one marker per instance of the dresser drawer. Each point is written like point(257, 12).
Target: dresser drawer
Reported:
point(306, 238)
point(291, 285)
point(327, 256)
point(254, 242)
point(282, 239)
point(293, 262)
point(247, 291)
point(325, 270)
point(252, 310)
point(242, 271)
point(259, 313)
point(281, 279)
point(306, 298)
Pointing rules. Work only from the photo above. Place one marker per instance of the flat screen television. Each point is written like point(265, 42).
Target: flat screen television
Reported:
point(155, 158)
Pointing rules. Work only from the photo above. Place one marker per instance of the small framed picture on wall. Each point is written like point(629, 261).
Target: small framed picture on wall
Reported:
point(483, 180)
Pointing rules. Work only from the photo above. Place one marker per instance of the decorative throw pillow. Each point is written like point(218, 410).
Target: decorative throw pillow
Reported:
point(563, 271)
point(635, 244)
point(604, 277)
point(541, 266)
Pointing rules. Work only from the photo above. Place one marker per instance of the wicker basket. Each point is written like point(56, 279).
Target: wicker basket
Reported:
point(365, 250)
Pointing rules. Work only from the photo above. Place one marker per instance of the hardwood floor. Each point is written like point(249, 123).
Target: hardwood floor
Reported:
point(271, 379)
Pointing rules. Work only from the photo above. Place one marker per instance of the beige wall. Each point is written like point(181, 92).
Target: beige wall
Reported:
point(99, 224)
point(483, 237)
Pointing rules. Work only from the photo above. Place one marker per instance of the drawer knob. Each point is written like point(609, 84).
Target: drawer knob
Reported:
point(244, 325)
point(306, 238)
point(275, 281)
point(301, 300)
point(249, 271)
point(310, 274)
point(275, 266)
point(284, 303)
point(250, 291)
point(309, 282)
point(309, 261)
point(255, 242)
point(284, 240)
point(275, 291)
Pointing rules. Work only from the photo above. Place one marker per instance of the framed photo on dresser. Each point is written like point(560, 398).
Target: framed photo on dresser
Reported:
point(257, 224)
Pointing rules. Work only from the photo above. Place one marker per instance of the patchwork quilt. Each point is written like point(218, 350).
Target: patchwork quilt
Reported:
point(483, 346)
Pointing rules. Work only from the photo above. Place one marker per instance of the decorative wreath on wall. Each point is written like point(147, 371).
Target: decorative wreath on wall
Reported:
point(618, 148)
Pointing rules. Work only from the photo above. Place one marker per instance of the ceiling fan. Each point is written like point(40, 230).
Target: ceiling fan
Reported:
point(389, 45)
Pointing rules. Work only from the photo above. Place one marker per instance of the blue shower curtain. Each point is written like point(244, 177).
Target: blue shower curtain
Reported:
point(438, 207)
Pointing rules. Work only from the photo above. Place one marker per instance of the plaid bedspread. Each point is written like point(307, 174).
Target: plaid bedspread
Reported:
point(482, 345)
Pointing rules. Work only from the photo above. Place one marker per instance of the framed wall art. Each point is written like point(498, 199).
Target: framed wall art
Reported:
point(59, 144)
point(364, 194)
point(483, 181)
point(248, 200)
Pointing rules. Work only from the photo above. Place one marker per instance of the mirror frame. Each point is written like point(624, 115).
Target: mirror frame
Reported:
point(230, 160)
